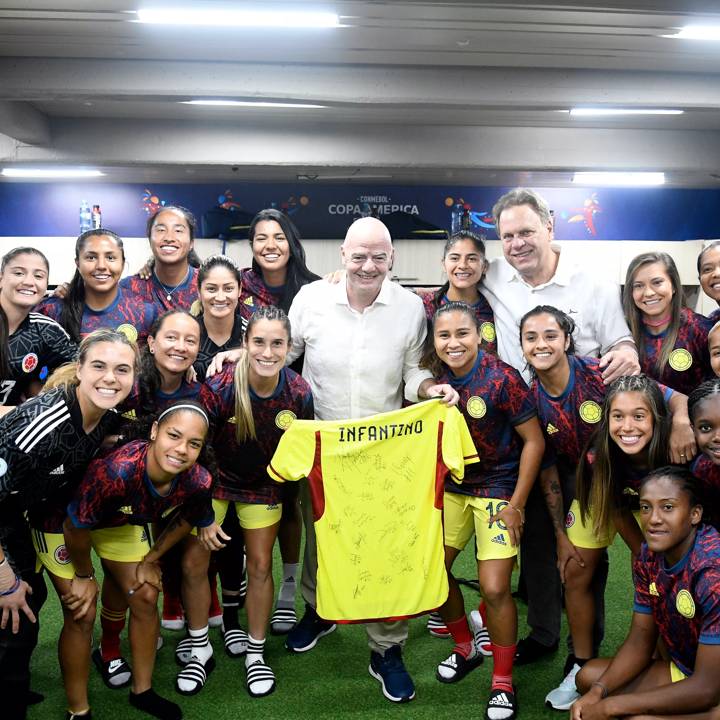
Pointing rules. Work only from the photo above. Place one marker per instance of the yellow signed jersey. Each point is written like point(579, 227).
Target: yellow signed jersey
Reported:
point(377, 487)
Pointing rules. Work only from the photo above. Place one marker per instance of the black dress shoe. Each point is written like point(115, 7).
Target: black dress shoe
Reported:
point(529, 650)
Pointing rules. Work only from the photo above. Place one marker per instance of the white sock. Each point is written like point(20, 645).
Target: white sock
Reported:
point(255, 650)
point(201, 647)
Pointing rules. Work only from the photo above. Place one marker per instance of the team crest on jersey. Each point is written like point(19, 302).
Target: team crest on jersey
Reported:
point(476, 407)
point(196, 308)
point(61, 555)
point(29, 362)
point(685, 604)
point(570, 519)
point(487, 332)
point(680, 359)
point(249, 301)
point(551, 429)
point(652, 589)
point(284, 419)
point(129, 331)
point(590, 412)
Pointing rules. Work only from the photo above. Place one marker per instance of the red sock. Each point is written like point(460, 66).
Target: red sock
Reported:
point(112, 622)
point(460, 631)
point(503, 657)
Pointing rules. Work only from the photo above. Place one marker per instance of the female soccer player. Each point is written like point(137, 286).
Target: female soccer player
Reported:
point(94, 298)
point(631, 440)
point(221, 326)
point(677, 601)
point(570, 392)
point(464, 263)
point(260, 398)
point(169, 280)
point(278, 271)
point(708, 267)
point(501, 415)
point(171, 350)
point(704, 409)
point(44, 444)
point(31, 344)
point(671, 339)
point(120, 496)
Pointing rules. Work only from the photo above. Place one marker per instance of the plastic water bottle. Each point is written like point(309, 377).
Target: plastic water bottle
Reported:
point(96, 217)
point(456, 218)
point(85, 217)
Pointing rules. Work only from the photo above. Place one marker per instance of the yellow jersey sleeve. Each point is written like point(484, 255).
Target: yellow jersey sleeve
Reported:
point(458, 448)
point(295, 453)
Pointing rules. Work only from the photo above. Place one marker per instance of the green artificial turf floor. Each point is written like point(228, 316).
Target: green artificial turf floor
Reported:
point(332, 680)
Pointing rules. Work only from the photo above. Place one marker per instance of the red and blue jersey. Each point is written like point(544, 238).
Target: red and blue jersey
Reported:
point(494, 399)
point(164, 298)
point(116, 490)
point(243, 473)
point(689, 362)
point(254, 294)
point(708, 476)
point(483, 313)
point(128, 313)
point(713, 317)
point(684, 599)
point(137, 406)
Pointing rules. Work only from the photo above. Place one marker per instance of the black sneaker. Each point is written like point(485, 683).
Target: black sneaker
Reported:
point(115, 673)
point(529, 650)
point(308, 631)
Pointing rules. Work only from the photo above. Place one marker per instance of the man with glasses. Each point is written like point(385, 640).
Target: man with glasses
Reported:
point(362, 338)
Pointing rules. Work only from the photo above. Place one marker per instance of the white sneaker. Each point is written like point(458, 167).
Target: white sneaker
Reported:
point(565, 694)
point(480, 633)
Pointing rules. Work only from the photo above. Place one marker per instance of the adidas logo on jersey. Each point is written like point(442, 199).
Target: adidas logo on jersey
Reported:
point(551, 429)
point(499, 539)
point(59, 470)
point(126, 510)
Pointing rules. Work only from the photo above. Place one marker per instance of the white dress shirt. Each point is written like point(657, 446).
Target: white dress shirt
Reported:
point(590, 300)
point(356, 362)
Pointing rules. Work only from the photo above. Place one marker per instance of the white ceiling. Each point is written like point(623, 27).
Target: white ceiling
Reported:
point(436, 92)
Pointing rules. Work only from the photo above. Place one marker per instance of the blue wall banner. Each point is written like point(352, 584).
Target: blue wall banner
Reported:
point(325, 211)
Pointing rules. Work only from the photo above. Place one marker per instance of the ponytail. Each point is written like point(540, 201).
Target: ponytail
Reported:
point(244, 421)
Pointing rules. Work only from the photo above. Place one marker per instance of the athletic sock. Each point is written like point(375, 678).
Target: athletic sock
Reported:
point(286, 596)
point(503, 656)
point(201, 647)
point(255, 650)
point(152, 704)
point(231, 604)
point(112, 623)
point(464, 641)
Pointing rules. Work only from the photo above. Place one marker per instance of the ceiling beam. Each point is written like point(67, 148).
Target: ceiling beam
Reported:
point(23, 122)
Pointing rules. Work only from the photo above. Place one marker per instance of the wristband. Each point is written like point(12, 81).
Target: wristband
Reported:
point(91, 576)
point(13, 589)
point(602, 687)
point(7, 576)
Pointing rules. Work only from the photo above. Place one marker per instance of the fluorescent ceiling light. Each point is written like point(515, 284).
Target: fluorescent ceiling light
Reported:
point(238, 18)
point(50, 173)
point(599, 112)
point(627, 179)
point(698, 32)
point(249, 103)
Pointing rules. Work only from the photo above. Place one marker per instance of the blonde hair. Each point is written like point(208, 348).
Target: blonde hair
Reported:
point(244, 420)
point(65, 376)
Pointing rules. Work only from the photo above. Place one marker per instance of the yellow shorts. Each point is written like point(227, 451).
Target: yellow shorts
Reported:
point(125, 543)
point(676, 674)
point(581, 534)
point(464, 514)
point(251, 516)
point(52, 554)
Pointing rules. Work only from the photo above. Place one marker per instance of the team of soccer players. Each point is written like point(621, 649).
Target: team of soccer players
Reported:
point(119, 397)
